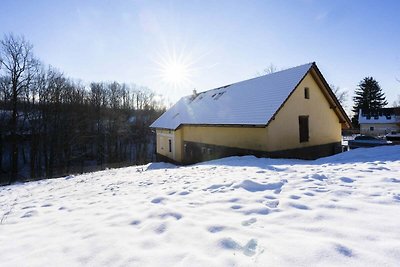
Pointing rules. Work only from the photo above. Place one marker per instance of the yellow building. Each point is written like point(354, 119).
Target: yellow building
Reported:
point(291, 114)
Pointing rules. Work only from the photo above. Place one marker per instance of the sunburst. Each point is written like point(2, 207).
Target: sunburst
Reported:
point(176, 68)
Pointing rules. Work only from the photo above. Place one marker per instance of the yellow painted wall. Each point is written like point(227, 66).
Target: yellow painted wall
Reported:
point(240, 137)
point(324, 126)
point(163, 137)
point(178, 145)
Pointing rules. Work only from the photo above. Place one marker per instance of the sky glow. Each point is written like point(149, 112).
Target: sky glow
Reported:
point(173, 47)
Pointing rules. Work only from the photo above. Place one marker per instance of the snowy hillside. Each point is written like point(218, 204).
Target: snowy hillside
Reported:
point(238, 211)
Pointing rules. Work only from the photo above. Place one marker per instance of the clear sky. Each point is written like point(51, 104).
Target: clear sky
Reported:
point(175, 46)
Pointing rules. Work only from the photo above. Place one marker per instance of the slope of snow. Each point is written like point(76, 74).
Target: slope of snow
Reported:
point(238, 211)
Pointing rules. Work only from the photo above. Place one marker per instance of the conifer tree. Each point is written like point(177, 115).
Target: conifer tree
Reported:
point(368, 95)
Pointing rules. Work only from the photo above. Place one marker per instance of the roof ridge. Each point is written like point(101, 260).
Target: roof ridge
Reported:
point(262, 76)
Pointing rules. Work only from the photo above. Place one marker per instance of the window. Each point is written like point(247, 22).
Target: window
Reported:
point(306, 93)
point(218, 95)
point(303, 129)
point(169, 145)
point(371, 128)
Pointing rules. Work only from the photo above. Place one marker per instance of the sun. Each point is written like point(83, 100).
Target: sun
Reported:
point(175, 68)
point(175, 73)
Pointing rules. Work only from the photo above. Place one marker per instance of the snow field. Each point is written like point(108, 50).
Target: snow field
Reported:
point(238, 211)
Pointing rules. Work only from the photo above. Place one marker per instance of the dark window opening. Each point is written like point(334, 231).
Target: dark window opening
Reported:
point(303, 129)
point(371, 128)
point(170, 145)
point(306, 93)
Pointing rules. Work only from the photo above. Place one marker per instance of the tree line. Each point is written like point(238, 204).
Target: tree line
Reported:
point(52, 125)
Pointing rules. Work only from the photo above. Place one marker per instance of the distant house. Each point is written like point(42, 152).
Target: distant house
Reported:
point(291, 113)
point(379, 121)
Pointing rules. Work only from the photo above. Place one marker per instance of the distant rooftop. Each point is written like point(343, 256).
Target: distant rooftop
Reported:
point(382, 115)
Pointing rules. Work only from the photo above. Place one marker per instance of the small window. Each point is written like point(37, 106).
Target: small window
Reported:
point(303, 129)
point(371, 128)
point(203, 150)
point(368, 117)
point(218, 95)
point(170, 145)
point(306, 93)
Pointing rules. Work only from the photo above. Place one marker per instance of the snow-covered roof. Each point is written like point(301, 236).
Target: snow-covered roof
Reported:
point(378, 119)
point(384, 115)
point(250, 102)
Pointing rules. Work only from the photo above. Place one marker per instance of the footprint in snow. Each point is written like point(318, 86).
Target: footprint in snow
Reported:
point(346, 180)
point(319, 177)
point(157, 200)
point(344, 251)
point(249, 249)
point(175, 215)
point(249, 222)
point(295, 197)
point(29, 214)
point(299, 206)
point(260, 211)
point(214, 187)
point(391, 180)
point(184, 193)
point(161, 228)
point(28, 207)
point(229, 243)
point(272, 204)
point(135, 222)
point(215, 229)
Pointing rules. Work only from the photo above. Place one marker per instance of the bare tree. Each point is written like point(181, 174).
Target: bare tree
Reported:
point(340, 95)
point(268, 70)
point(396, 104)
point(19, 66)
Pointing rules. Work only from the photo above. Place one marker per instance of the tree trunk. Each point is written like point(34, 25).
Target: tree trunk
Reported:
point(14, 138)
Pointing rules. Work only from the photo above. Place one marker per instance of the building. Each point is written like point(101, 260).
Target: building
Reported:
point(379, 121)
point(291, 113)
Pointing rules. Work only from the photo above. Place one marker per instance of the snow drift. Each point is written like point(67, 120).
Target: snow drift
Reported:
point(238, 211)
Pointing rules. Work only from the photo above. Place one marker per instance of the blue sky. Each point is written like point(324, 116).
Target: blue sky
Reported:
point(218, 42)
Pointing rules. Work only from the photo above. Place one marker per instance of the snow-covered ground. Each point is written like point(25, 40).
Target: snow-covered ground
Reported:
point(238, 211)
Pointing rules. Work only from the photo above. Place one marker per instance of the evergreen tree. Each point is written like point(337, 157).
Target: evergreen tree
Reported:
point(368, 95)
